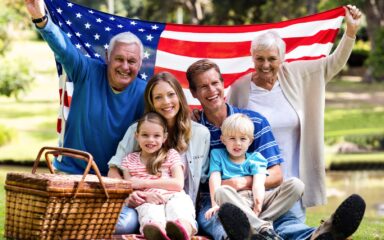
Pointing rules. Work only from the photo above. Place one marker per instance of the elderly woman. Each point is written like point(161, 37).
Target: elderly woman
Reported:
point(292, 97)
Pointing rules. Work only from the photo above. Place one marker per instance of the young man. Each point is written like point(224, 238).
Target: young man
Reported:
point(206, 84)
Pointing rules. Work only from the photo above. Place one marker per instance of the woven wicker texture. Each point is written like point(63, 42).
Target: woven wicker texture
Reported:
point(51, 206)
point(47, 184)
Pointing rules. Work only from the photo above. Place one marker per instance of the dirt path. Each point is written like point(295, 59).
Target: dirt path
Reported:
point(354, 94)
point(354, 100)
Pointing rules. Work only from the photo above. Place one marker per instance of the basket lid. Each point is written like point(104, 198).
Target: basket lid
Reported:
point(56, 183)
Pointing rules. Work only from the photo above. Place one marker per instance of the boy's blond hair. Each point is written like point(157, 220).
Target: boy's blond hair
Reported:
point(237, 123)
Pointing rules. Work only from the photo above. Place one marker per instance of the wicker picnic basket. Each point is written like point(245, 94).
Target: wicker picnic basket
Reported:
point(53, 206)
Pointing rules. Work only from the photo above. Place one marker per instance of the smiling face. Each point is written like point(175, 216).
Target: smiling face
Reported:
point(237, 145)
point(123, 65)
point(165, 101)
point(267, 63)
point(150, 137)
point(209, 90)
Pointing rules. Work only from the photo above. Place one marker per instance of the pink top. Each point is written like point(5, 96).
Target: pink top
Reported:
point(137, 169)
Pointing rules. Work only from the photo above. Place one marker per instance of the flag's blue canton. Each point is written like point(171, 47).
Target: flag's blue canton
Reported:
point(91, 30)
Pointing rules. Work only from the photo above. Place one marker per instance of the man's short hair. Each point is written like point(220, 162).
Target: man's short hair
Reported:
point(238, 123)
point(199, 67)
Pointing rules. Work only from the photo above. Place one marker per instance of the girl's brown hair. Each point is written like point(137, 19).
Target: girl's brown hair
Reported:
point(182, 132)
point(153, 166)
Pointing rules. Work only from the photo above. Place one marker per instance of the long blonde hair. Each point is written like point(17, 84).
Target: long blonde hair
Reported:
point(182, 132)
point(153, 166)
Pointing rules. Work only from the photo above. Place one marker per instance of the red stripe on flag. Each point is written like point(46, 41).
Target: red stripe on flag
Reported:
point(325, 36)
point(330, 14)
point(67, 98)
point(305, 58)
point(60, 95)
point(58, 125)
point(204, 49)
point(238, 49)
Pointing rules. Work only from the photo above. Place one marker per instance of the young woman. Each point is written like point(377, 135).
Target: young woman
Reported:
point(156, 168)
point(165, 96)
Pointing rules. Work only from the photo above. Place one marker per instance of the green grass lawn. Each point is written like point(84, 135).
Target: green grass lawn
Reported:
point(371, 228)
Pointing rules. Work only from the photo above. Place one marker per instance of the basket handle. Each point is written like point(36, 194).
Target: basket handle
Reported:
point(85, 156)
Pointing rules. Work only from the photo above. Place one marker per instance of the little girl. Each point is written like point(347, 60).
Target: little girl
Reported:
point(158, 169)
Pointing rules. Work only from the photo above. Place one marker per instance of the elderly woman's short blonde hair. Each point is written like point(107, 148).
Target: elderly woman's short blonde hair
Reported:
point(237, 123)
point(268, 40)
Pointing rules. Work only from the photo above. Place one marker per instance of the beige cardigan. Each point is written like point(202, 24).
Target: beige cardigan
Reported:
point(303, 83)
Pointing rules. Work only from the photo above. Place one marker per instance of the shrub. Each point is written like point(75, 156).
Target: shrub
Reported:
point(368, 141)
point(371, 141)
point(15, 77)
point(359, 55)
point(6, 135)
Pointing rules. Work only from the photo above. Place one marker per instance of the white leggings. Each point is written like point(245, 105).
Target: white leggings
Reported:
point(178, 207)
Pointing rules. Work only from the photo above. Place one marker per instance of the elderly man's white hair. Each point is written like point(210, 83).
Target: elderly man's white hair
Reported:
point(268, 40)
point(128, 38)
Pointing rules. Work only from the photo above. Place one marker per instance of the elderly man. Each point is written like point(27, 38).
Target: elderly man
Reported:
point(107, 98)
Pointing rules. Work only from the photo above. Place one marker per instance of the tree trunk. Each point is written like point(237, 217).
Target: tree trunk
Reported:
point(374, 12)
point(312, 6)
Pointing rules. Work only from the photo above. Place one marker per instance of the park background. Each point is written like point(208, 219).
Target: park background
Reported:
point(354, 129)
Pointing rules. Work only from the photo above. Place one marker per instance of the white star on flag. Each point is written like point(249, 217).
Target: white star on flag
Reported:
point(146, 54)
point(143, 76)
point(149, 37)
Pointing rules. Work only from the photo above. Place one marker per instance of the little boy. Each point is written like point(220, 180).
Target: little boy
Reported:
point(260, 207)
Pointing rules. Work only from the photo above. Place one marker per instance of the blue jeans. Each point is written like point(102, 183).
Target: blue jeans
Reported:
point(299, 211)
point(212, 226)
point(291, 225)
point(128, 222)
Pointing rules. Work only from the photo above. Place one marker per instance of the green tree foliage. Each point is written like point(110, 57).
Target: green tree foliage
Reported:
point(374, 15)
point(376, 58)
point(6, 135)
point(255, 11)
point(4, 37)
point(15, 77)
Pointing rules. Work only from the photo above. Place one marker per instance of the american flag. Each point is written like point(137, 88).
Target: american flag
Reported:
point(173, 47)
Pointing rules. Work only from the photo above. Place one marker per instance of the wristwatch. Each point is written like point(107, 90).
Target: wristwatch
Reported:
point(39, 20)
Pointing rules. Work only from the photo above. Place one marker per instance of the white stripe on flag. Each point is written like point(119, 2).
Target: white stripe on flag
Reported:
point(236, 65)
point(294, 30)
point(181, 63)
point(313, 50)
